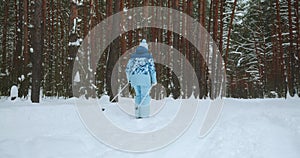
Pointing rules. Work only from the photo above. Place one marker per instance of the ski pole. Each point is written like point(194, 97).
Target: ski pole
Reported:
point(145, 96)
point(103, 109)
point(120, 92)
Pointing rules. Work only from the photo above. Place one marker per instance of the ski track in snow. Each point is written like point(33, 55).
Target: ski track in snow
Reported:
point(247, 128)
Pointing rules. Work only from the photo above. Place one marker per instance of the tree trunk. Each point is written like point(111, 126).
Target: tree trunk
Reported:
point(4, 37)
point(221, 26)
point(282, 82)
point(297, 49)
point(176, 87)
point(73, 48)
point(168, 71)
point(113, 52)
point(16, 73)
point(60, 64)
point(49, 59)
point(213, 91)
point(189, 52)
point(37, 43)
point(4, 82)
point(203, 65)
point(229, 32)
point(25, 84)
point(228, 36)
point(201, 11)
point(291, 51)
point(123, 37)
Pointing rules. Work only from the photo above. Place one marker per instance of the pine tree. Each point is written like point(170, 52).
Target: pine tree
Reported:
point(37, 43)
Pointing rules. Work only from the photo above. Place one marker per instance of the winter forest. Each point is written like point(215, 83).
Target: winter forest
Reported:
point(259, 41)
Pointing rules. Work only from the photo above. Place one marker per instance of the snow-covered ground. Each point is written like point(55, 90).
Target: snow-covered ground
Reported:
point(257, 128)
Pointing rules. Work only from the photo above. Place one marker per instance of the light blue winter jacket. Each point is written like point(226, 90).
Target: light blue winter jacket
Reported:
point(140, 69)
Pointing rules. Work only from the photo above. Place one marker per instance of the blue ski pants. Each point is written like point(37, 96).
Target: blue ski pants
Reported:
point(142, 101)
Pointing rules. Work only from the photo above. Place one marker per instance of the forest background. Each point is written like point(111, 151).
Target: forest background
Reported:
point(259, 41)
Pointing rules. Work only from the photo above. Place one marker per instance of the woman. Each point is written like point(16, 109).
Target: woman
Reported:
point(141, 74)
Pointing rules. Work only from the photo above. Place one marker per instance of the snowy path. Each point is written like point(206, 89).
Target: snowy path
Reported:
point(247, 128)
